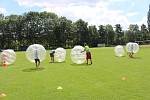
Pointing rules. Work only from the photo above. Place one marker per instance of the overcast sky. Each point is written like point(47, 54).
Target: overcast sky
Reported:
point(95, 12)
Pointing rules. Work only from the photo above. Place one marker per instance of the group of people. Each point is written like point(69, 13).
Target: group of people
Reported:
point(52, 52)
point(86, 49)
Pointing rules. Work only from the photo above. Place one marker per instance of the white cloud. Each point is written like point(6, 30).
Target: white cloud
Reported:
point(29, 3)
point(2, 10)
point(95, 15)
point(131, 14)
point(143, 21)
point(95, 12)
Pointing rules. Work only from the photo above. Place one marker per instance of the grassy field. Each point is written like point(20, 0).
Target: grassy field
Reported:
point(109, 78)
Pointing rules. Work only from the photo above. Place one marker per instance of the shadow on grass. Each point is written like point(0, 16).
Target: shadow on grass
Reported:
point(57, 62)
point(33, 69)
point(136, 58)
point(84, 64)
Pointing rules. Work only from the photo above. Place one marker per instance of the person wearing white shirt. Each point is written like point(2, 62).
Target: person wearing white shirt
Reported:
point(36, 58)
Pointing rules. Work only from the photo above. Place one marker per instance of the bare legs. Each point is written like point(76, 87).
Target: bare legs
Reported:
point(87, 61)
point(37, 62)
point(52, 60)
point(131, 54)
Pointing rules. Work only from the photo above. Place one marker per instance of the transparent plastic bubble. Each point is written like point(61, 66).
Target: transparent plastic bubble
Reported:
point(8, 56)
point(132, 47)
point(60, 54)
point(77, 56)
point(119, 51)
point(35, 51)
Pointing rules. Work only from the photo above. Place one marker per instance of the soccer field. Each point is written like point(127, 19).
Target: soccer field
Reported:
point(108, 78)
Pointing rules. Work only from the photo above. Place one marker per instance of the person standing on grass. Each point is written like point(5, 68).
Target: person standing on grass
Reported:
point(36, 58)
point(131, 51)
point(88, 53)
point(52, 52)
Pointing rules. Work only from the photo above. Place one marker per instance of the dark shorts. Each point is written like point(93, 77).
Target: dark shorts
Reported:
point(88, 55)
point(51, 54)
point(37, 60)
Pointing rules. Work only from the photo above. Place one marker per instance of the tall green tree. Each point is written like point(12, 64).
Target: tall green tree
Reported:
point(82, 31)
point(102, 34)
point(119, 34)
point(2, 16)
point(46, 28)
point(148, 19)
point(109, 35)
point(30, 27)
point(133, 33)
point(10, 31)
point(144, 32)
point(2, 30)
point(93, 36)
point(62, 31)
point(48, 22)
point(39, 28)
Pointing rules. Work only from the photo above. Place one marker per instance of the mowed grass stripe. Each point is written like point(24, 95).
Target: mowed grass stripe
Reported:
point(100, 81)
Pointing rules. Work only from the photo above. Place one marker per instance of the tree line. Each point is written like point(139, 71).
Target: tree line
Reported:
point(46, 28)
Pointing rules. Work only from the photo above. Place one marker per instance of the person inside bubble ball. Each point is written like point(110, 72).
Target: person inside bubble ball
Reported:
point(36, 58)
point(52, 52)
point(131, 51)
point(88, 53)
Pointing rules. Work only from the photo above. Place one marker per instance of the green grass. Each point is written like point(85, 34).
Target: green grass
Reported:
point(100, 81)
